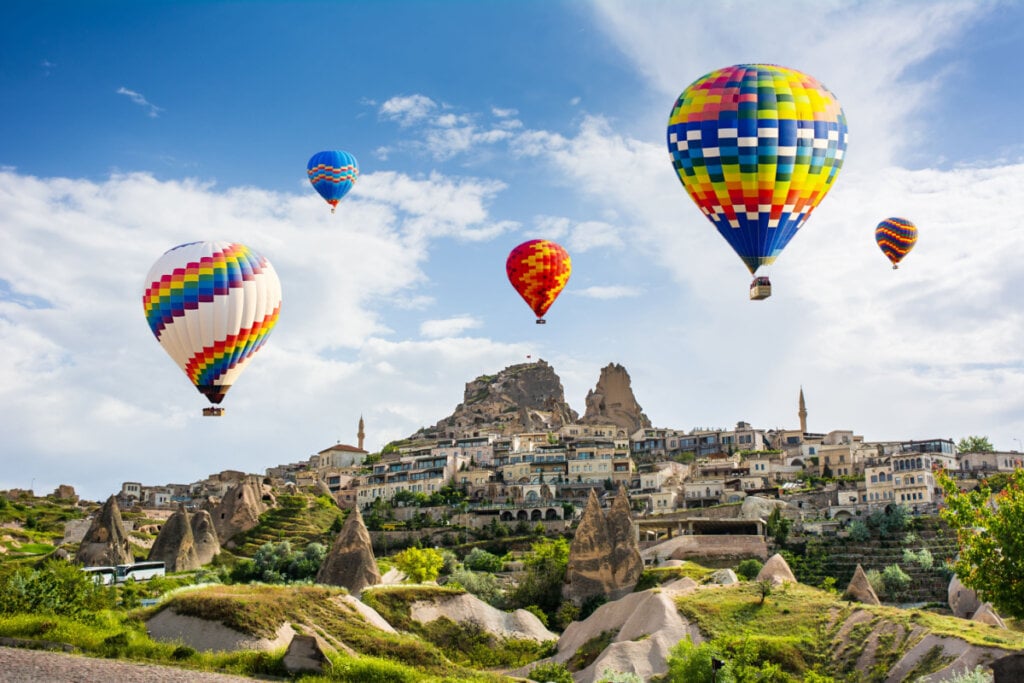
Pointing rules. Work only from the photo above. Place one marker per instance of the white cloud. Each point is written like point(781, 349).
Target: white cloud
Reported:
point(608, 292)
point(408, 110)
point(503, 113)
point(579, 236)
point(449, 327)
point(137, 98)
point(86, 389)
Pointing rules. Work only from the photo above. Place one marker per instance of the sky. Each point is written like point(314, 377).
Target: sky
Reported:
point(129, 128)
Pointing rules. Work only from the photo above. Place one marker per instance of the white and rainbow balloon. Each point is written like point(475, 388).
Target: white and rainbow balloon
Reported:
point(211, 305)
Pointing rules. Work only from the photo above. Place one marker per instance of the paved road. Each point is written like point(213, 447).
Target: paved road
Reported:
point(19, 665)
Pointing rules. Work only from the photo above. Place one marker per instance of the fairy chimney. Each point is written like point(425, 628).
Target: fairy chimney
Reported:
point(860, 588)
point(106, 541)
point(205, 536)
point(175, 545)
point(350, 562)
point(604, 558)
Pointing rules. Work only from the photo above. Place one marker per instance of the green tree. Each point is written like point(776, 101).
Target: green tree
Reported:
point(480, 560)
point(420, 564)
point(543, 573)
point(990, 533)
point(778, 526)
point(974, 444)
point(689, 663)
point(895, 580)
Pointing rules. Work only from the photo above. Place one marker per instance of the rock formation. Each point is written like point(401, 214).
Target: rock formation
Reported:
point(175, 545)
point(240, 509)
point(65, 492)
point(205, 537)
point(962, 600)
point(527, 397)
point(604, 558)
point(758, 507)
point(612, 401)
point(350, 562)
point(860, 589)
point(724, 577)
point(106, 541)
point(466, 608)
point(777, 571)
point(986, 614)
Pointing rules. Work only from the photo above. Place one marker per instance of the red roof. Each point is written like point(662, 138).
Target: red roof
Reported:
point(345, 448)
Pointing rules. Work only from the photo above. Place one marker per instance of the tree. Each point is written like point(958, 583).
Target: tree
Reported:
point(778, 526)
point(420, 564)
point(544, 571)
point(974, 444)
point(990, 533)
point(480, 560)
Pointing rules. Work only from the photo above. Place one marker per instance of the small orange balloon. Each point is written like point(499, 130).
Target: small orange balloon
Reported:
point(539, 271)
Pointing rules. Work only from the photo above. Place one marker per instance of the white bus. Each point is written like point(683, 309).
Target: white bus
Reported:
point(140, 571)
point(101, 575)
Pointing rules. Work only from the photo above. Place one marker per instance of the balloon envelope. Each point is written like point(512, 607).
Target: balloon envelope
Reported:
point(757, 147)
point(896, 237)
point(539, 271)
point(332, 173)
point(211, 306)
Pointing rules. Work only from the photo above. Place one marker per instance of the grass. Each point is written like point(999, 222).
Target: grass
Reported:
point(656, 576)
point(797, 626)
point(298, 519)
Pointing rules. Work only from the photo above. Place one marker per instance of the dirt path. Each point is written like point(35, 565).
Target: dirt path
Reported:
point(19, 665)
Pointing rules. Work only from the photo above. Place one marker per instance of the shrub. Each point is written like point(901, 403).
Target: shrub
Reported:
point(609, 676)
point(689, 663)
point(480, 560)
point(859, 531)
point(57, 588)
point(482, 585)
point(978, 675)
point(895, 581)
point(749, 569)
point(550, 671)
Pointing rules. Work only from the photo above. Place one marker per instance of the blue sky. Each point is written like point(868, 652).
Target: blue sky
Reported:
point(132, 127)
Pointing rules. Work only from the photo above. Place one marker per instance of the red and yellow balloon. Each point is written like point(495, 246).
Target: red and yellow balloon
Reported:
point(539, 271)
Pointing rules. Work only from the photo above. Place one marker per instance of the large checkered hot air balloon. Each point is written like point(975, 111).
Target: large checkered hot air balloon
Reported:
point(757, 147)
point(896, 237)
point(539, 270)
point(211, 306)
point(332, 173)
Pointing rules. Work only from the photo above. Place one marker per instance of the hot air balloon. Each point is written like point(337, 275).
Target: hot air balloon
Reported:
point(757, 147)
point(333, 173)
point(896, 237)
point(539, 271)
point(211, 306)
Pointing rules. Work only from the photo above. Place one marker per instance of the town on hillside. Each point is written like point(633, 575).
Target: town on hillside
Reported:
point(518, 453)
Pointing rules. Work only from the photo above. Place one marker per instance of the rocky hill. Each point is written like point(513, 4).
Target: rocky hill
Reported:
point(528, 397)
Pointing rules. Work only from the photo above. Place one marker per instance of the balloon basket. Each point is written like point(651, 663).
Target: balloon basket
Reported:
point(760, 288)
point(542, 321)
point(213, 411)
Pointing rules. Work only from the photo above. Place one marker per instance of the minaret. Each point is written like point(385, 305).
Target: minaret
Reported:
point(803, 413)
point(362, 435)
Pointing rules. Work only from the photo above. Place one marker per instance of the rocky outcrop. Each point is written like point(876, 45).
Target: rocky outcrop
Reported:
point(350, 562)
point(612, 401)
point(65, 492)
point(604, 558)
point(241, 507)
point(527, 397)
point(205, 537)
point(106, 541)
point(647, 626)
point(466, 608)
point(776, 570)
point(986, 614)
point(175, 545)
point(757, 507)
point(724, 577)
point(962, 600)
point(860, 589)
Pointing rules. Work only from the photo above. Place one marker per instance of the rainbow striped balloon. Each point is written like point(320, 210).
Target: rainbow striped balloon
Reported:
point(539, 271)
point(332, 173)
point(211, 306)
point(757, 147)
point(896, 237)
